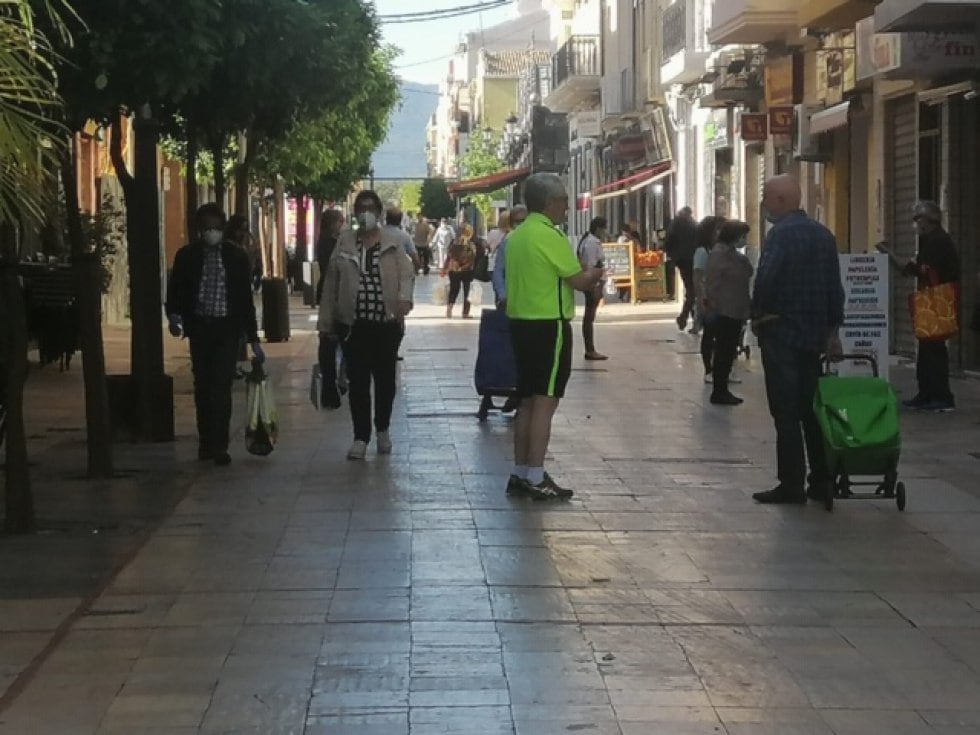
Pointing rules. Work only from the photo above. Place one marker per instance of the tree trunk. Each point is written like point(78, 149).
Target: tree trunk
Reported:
point(19, 500)
point(218, 156)
point(302, 244)
point(242, 174)
point(87, 271)
point(141, 191)
point(192, 198)
point(279, 255)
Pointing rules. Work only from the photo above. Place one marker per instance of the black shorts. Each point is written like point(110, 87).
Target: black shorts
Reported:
point(543, 353)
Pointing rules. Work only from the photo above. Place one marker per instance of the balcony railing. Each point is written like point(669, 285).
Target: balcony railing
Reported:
point(578, 57)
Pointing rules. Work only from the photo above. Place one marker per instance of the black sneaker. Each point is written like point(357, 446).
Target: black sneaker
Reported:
point(204, 454)
point(939, 406)
point(726, 399)
point(222, 459)
point(518, 487)
point(330, 397)
point(817, 492)
point(548, 489)
point(917, 402)
point(780, 496)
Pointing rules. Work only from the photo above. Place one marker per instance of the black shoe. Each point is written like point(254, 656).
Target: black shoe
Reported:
point(330, 398)
point(548, 489)
point(939, 406)
point(222, 459)
point(510, 405)
point(204, 454)
point(726, 399)
point(918, 402)
point(817, 492)
point(681, 323)
point(780, 495)
point(517, 487)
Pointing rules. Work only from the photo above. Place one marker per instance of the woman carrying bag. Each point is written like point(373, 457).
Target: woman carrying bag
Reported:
point(459, 265)
point(728, 304)
point(366, 292)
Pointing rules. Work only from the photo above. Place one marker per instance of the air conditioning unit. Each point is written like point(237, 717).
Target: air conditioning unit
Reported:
point(807, 147)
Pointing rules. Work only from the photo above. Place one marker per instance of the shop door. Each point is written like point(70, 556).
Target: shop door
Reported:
point(901, 155)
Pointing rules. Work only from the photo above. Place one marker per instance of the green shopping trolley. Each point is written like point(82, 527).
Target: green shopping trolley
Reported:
point(858, 417)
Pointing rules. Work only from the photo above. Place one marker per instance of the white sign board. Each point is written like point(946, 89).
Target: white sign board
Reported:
point(865, 329)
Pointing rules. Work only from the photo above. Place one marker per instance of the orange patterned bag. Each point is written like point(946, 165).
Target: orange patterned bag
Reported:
point(935, 312)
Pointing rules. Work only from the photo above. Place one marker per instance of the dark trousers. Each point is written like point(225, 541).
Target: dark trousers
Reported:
point(458, 279)
point(932, 372)
point(707, 346)
point(425, 258)
point(592, 299)
point(727, 334)
point(327, 357)
point(687, 276)
point(214, 350)
point(791, 383)
point(371, 353)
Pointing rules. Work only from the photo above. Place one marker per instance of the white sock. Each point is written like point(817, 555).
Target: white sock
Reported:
point(520, 470)
point(535, 475)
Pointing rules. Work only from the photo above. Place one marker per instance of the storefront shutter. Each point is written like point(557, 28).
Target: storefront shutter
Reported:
point(902, 181)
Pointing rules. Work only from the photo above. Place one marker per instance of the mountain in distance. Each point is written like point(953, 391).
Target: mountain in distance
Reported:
point(402, 155)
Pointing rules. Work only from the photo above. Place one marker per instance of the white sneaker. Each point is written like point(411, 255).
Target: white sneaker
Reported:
point(357, 450)
point(384, 442)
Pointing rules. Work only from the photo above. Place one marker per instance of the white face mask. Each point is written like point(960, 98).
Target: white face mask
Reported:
point(367, 221)
point(213, 237)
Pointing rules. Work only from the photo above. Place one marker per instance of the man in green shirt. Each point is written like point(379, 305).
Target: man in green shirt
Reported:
point(542, 276)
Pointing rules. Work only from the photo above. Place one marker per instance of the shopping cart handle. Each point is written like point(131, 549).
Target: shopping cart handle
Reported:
point(854, 357)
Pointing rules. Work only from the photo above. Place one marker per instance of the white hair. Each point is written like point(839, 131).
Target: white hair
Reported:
point(541, 189)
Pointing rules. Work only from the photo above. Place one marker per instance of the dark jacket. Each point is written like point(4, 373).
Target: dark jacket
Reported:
point(682, 240)
point(937, 261)
point(325, 246)
point(185, 284)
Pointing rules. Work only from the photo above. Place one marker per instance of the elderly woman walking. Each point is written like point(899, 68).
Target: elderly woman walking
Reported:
point(459, 265)
point(727, 304)
point(366, 292)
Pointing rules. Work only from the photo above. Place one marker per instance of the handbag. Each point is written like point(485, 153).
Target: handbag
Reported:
point(935, 312)
point(440, 292)
point(481, 265)
point(262, 429)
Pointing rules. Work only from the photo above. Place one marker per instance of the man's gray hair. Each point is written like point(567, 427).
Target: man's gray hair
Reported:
point(539, 189)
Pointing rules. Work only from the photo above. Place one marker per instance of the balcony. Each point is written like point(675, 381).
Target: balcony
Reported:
point(685, 44)
point(900, 16)
point(834, 15)
point(754, 21)
point(574, 74)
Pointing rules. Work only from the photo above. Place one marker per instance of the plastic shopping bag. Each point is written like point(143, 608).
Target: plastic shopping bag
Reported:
point(262, 429)
point(440, 292)
point(476, 294)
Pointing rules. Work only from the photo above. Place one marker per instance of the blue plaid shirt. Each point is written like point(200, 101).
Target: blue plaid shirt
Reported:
point(212, 296)
point(799, 280)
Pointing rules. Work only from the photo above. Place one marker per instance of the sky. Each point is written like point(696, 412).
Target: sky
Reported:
point(427, 47)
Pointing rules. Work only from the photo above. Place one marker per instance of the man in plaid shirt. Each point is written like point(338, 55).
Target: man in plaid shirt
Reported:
point(797, 307)
point(209, 300)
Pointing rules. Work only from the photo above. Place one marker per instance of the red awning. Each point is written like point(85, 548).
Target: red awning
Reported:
point(487, 184)
point(634, 178)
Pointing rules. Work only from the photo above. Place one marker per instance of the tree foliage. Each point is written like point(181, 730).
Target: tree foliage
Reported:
point(30, 138)
point(481, 160)
point(324, 155)
point(410, 196)
point(434, 199)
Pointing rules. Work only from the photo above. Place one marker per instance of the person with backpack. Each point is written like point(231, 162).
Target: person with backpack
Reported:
point(589, 252)
point(459, 265)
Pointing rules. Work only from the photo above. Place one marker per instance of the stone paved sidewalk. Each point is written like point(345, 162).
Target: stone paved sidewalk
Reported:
point(302, 593)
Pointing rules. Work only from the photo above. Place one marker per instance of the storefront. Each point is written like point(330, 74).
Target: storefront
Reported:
point(930, 125)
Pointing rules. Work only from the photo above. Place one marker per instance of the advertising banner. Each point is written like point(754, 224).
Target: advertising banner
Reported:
point(865, 329)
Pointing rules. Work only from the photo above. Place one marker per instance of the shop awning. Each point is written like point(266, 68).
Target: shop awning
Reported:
point(939, 95)
point(633, 182)
point(829, 119)
point(489, 183)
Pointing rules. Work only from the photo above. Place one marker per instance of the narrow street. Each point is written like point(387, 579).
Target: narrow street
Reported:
point(303, 593)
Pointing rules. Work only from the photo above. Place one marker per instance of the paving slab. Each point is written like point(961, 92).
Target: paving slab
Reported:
point(302, 593)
